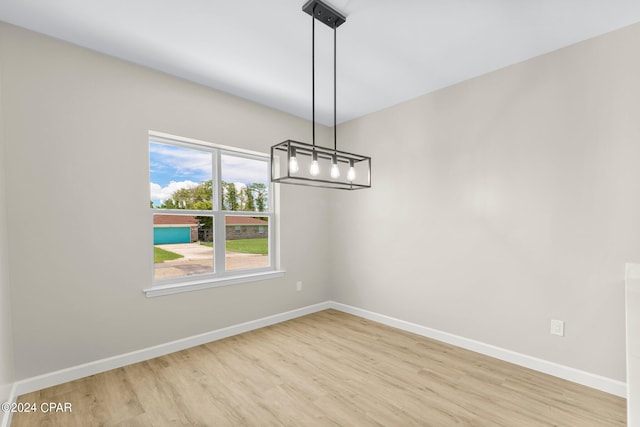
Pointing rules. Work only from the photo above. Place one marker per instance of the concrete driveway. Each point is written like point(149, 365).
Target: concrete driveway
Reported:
point(189, 250)
point(198, 259)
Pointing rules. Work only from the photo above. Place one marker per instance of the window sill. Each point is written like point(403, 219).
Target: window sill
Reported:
point(195, 285)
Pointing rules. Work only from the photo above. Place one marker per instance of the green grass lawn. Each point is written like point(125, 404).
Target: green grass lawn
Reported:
point(246, 246)
point(249, 246)
point(160, 255)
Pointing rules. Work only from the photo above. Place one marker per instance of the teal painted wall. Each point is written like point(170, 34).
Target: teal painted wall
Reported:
point(168, 235)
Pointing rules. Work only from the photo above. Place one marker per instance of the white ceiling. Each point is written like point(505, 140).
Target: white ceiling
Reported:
point(388, 50)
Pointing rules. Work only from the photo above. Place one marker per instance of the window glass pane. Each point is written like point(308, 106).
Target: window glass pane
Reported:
point(247, 243)
point(205, 180)
point(180, 178)
point(245, 184)
point(182, 245)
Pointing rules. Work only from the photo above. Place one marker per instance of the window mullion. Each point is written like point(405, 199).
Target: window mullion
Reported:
point(271, 233)
point(219, 221)
point(216, 187)
point(219, 243)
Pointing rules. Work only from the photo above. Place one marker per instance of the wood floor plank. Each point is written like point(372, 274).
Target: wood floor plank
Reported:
point(325, 369)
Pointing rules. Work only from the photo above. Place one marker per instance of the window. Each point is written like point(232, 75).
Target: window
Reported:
point(212, 215)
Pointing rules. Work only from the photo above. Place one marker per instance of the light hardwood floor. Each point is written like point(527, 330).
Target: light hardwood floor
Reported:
point(328, 368)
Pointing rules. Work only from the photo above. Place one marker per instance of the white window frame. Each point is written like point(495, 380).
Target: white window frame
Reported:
point(219, 277)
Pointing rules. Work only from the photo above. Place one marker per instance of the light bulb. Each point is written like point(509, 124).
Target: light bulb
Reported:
point(335, 170)
point(293, 161)
point(314, 170)
point(351, 175)
point(293, 165)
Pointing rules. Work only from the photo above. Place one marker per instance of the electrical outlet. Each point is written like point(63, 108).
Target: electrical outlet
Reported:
point(557, 327)
point(299, 285)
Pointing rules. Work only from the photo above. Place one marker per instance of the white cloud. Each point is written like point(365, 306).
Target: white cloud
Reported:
point(239, 169)
point(160, 194)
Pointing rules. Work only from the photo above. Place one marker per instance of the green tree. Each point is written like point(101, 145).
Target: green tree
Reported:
point(261, 195)
point(232, 197)
point(250, 204)
point(186, 198)
point(203, 192)
point(223, 199)
point(169, 204)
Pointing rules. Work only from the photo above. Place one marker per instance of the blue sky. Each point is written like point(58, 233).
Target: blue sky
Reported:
point(172, 168)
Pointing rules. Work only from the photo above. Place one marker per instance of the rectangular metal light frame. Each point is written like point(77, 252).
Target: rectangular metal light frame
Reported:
point(304, 149)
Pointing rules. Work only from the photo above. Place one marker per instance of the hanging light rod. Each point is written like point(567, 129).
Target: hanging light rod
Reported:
point(299, 163)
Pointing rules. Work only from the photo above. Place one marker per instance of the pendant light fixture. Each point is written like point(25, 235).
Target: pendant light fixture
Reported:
point(299, 163)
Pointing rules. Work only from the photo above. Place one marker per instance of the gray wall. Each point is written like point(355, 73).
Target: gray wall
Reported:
point(75, 129)
point(6, 344)
point(503, 202)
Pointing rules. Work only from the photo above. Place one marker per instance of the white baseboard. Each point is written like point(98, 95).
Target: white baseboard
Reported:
point(8, 393)
point(75, 372)
point(69, 374)
point(598, 382)
point(5, 391)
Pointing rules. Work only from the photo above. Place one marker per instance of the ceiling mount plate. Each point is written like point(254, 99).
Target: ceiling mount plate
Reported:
point(324, 13)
